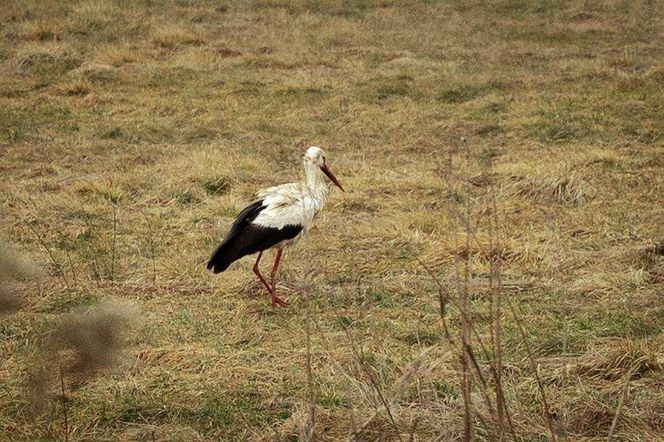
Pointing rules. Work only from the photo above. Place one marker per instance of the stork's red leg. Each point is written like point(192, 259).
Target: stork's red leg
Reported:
point(273, 274)
point(273, 295)
point(257, 272)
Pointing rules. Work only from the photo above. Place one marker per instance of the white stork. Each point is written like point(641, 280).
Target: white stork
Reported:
point(278, 217)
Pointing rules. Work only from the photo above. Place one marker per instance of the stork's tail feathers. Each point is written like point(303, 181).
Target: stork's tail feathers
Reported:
point(228, 252)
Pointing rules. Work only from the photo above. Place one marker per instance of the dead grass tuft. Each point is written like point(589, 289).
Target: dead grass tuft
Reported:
point(654, 251)
point(482, 251)
point(565, 187)
point(41, 30)
point(76, 88)
point(118, 55)
point(54, 60)
point(174, 37)
point(12, 266)
point(95, 72)
point(587, 417)
point(656, 74)
point(651, 259)
point(619, 360)
point(9, 299)
point(215, 185)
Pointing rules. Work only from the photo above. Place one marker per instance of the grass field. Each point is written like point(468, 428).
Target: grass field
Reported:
point(131, 134)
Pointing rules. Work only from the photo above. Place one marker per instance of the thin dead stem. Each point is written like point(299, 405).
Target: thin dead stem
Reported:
point(496, 289)
point(55, 262)
point(115, 230)
point(411, 436)
point(469, 362)
point(73, 268)
point(310, 434)
point(623, 393)
point(359, 358)
point(96, 267)
point(64, 404)
point(533, 367)
point(152, 248)
point(495, 305)
point(468, 349)
point(466, 379)
point(397, 390)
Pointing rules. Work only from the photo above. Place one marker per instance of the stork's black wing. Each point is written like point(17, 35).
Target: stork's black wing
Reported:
point(246, 238)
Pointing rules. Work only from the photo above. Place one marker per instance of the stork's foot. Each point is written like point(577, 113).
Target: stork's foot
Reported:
point(277, 301)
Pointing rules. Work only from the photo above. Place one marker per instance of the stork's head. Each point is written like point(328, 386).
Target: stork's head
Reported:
point(316, 156)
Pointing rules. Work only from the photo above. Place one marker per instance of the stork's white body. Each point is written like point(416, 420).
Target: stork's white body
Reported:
point(292, 204)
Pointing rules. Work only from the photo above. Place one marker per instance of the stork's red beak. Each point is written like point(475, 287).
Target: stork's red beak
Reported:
point(326, 170)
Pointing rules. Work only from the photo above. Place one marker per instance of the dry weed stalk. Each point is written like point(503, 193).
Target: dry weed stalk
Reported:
point(307, 431)
point(496, 289)
point(64, 404)
point(466, 342)
point(56, 263)
point(500, 415)
point(9, 301)
point(463, 303)
point(152, 247)
point(96, 267)
point(623, 393)
point(115, 231)
point(534, 369)
point(94, 335)
point(397, 390)
point(12, 270)
point(469, 351)
point(360, 359)
point(72, 267)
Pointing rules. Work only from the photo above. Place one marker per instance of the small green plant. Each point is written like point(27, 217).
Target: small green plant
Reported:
point(217, 186)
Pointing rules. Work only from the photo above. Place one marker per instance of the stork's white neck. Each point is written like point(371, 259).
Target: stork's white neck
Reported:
point(316, 182)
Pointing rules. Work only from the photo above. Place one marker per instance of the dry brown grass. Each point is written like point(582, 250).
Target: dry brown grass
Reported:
point(132, 132)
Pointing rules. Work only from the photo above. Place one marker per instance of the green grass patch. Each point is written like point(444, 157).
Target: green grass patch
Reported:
point(382, 88)
point(216, 185)
point(561, 335)
point(422, 336)
point(248, 87)
point(69, 300)
point(460, 94)
point(557, 122)
point(301, 92)
point(619, 324)
point(233, 411)
point(446, 390)
point(184, 196)
point(467, 92)
point(383, 298)
point(18, 124)
point(547, 336)
point(46, 64)
point(112, 134)
point(333, 400)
